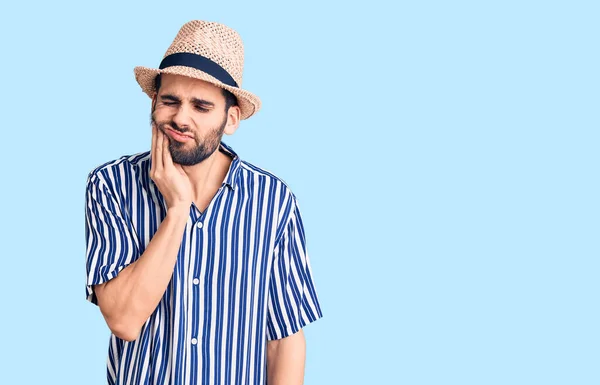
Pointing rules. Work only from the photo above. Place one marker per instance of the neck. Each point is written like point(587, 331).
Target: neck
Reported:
point(207, 176)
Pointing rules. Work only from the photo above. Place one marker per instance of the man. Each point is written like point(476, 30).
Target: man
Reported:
point(196, 258)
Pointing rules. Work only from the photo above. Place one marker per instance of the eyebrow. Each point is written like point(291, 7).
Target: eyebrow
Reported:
point(170, 97)
point(203, 102)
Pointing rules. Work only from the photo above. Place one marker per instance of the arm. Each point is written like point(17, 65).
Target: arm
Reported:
point(127, 300)
point(285, 360)
point(292, 303)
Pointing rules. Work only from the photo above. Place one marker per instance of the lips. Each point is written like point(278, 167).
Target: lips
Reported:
point(177, 136)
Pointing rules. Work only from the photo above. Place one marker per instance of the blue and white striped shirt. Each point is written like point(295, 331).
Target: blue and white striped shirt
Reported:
point(242, 275)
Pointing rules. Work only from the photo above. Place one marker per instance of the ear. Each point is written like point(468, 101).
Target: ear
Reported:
point(233, 120)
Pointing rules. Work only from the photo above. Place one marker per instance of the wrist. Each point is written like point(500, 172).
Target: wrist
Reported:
point(179, 211)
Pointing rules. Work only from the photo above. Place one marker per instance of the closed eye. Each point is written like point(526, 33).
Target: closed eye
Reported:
point(170, 100)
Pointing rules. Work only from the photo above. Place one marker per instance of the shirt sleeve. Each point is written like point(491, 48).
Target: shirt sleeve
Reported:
point(110, 237)
point(293, 301)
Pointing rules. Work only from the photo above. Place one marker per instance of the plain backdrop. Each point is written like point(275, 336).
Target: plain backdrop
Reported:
point(444, 154)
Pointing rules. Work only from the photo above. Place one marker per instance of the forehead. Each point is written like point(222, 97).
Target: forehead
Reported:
point(186, 87)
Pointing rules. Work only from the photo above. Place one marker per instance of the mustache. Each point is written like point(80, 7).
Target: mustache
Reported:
point(170, 124)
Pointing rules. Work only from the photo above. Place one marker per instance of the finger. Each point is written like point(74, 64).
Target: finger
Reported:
point(159, 150)
point(167, 160)
point(152, 148)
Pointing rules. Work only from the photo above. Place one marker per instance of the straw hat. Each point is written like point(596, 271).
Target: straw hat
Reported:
point(208, 51)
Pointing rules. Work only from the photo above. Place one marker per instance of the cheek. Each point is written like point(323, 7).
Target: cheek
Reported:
point(200, 122)
point(162, 113)
point(213, 119)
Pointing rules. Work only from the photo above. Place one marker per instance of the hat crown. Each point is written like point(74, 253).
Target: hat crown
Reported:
point(215, 41)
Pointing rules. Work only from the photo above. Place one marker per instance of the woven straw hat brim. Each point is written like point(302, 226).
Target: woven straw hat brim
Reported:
point(248, 102)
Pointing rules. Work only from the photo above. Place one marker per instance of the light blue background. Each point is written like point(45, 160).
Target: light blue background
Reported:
point(444, 154)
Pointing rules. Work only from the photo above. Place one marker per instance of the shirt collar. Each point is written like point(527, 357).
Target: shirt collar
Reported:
point(232, 177)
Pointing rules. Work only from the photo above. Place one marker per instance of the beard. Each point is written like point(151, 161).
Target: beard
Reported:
point(180, 151)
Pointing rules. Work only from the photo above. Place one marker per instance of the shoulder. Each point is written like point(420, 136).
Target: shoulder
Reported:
point(283, 198)
point(276, 182)
point(117, 171)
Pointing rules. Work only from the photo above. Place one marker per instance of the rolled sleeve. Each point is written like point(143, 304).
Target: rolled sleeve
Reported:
point(110, 237)
point(293, 301)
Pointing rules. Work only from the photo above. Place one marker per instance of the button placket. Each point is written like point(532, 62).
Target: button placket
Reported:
point(194, 289)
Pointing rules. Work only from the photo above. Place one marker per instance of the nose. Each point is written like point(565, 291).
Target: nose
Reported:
point(182, 117)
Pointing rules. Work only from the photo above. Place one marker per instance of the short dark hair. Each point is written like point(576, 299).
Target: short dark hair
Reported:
point(230, 99)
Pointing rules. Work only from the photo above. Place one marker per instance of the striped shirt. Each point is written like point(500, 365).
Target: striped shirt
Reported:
point(242, 275)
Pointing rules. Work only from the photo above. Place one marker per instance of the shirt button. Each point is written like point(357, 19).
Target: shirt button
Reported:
point(194, 341)
point(196, 281)
point(199, 225)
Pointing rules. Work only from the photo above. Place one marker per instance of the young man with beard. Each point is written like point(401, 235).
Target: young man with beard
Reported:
point(196, 258)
